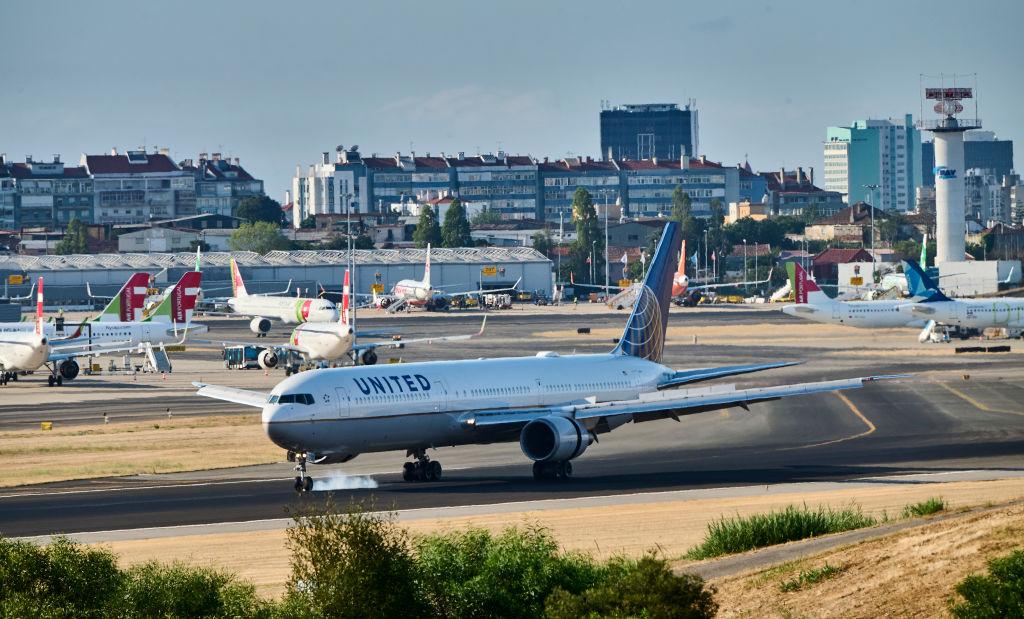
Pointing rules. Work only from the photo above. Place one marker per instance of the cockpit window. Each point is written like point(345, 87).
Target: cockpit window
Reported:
point(296, 398)
point(273, 399)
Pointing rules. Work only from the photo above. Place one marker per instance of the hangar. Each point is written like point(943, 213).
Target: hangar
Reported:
point(452, 269)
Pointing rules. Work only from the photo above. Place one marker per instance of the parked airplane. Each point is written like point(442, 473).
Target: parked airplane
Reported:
point(813, 304)
point(420, 293)
point(169, 322)
point(554, 405)
point(264, 307)
point(685, 294)
point(329, 341)
point(997, 312)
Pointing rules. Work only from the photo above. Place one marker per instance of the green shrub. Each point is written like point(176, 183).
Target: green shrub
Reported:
point(933, 505)
point(743, 533)
point(352, 564)
point(644, 588)
point(998, 594)
point(475, 574)
point(810, 577)
point(157, 590)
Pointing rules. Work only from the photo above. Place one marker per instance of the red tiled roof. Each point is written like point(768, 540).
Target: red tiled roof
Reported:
point(218, 170)
point(119, 164)
point(861, 215)
point(578, 165)
point(431, 162)
point(753, 249)
point(842, 256)
point(380, 162)
point(22, 170)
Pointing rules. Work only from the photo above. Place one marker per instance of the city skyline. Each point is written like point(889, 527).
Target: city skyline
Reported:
point(282, 85)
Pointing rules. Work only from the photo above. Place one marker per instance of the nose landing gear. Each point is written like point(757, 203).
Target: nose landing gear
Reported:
point(423, 469)
point(303, 482)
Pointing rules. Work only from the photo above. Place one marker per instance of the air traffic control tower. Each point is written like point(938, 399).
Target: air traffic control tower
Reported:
point(950, 226)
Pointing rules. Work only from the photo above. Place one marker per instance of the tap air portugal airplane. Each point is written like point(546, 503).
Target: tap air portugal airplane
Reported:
point(1001, 312)
point(420, 293)
point(553, 405)
point(329, 341)
point(263, 307)
point(813, 304)
point(105, 334)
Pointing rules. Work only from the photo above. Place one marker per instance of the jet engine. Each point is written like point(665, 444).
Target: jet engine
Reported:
point(267, 359)
point(439, 304)
point(259, 325)
point(554, 439)
point(68, 369)
point(369, 357)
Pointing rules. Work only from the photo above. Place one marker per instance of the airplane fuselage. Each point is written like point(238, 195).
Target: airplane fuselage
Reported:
point(973, 313)
point(289, 310)
point(322, 341)
point(413, 292)
point(865, 314)
point(418, 405)
point(106, 333)
point(23, 351)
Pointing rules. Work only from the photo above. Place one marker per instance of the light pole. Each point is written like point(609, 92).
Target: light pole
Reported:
point(593, 258)
point(706, 265)
point(605, 192)
point(744, 264)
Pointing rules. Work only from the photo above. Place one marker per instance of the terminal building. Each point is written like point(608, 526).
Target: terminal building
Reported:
point(451, 269)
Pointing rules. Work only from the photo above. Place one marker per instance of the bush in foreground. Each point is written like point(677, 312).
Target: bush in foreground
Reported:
point(931, 506)
point(644, 588)
point(743, 533)
point(1000, 593)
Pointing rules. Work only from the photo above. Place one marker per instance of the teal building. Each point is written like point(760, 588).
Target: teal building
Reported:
point(877, 161)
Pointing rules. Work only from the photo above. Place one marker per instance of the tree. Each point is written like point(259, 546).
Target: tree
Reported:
point(363, 241)
point(487, 216)
point(717, 214)
point(543, 242)
point(810, 213)
point(589, 241)
point(259, 208)
point(260, 237)
point(455, 231)
point(202, 246)
point(307, 223)
point(75, 239)
point(681, 205)
point(427, 231)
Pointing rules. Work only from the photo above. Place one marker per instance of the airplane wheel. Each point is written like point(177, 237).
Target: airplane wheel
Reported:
point(60, 381)
point(50, 380)
point(433, 471)
point(307, 484)
point(409, 471)
point(565, 469)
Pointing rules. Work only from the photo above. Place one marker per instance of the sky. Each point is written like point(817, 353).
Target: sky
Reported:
point(276, 83)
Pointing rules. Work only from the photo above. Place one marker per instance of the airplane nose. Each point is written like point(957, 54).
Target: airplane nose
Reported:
point(278, 430)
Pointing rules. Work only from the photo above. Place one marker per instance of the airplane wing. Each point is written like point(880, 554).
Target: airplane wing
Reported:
point(245, 397)
point(685, 377)
point(420, 340)
point(464, 293)
point(732, 284)
point(666, 404)
point(261, 344)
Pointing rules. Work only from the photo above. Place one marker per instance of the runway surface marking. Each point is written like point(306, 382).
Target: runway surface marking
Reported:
point(856, 411)
point(975, 403)
point(666, 496)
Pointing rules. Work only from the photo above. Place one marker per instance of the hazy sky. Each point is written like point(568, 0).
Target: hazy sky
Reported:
point(275, 83)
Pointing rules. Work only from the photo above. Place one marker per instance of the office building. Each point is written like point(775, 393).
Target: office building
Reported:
point(137, 187)
point(649, 131)
point(981, 150)
point(220, 183)
point(45, 194)
point(878, 161)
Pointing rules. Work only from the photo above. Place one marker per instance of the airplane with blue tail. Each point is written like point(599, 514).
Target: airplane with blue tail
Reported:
point(554, 405)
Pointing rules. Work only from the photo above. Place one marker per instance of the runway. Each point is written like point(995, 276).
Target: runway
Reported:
point(935, 422)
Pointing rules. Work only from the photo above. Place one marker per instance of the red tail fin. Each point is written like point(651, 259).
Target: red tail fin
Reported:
point(133, 297)
point(681, 269)
point(185, 293)
point(39, 308)
point(804, 284)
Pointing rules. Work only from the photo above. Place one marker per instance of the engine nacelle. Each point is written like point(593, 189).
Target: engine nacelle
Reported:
point(68, 369)
point(259, 325)
point(554, 439)
point(267, 359)
point(369, 357)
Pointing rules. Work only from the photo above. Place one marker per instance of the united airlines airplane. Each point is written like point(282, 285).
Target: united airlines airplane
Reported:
point(553, 405)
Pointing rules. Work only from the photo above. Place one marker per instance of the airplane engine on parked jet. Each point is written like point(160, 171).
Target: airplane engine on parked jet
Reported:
point(68, 369)
point(554, 439)
point(267, 359)
point(259, 325)
point(369, 357)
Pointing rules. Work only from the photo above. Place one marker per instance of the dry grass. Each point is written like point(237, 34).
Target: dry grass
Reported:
point(630, 529)
point(909, 574)
point(130, 448)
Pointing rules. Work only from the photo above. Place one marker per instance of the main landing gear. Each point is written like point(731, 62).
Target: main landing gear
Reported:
point(423, 469)
point(6, 377)
point(552, 470)
point(303, 482)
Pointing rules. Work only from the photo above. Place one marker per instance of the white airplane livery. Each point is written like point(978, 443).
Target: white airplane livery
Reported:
point(553, 405)
point(997, 312)
point(289, 310)
point(813, 304)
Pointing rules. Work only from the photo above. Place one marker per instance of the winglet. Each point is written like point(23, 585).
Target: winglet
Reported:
point(39, 307)
point(237, 284)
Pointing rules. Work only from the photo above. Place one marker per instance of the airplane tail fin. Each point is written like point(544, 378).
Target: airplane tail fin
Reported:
point(179, 300)
point(346, 293)
point(804, 288)
point(39, 308)
point(128, 303)
point(426, 271)
point(681, 269)
point(237, 284)
point(644, 335)
point(920, 285)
